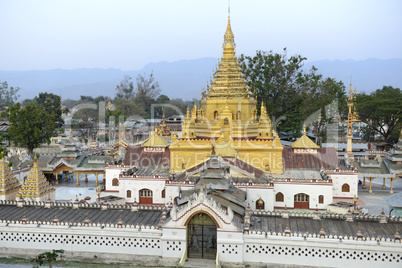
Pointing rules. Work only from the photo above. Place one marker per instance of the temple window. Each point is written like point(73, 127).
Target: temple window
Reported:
point(128, 194)
point(260, 204)
point(346, 188)
point(216, 115)
point(279, 197)
point(321, 199)
point(115, 182)
point(238, 115)
point(146, 193)
point(163, 193)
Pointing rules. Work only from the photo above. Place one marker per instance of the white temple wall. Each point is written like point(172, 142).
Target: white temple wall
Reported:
point(113, 172)
point(137, 184)
point(128, 244)
point(83, 239)
point(110, 174)
point(230, 246)
point(340, 179)
point(314, 190)
point(173, 242)
point(9, 196)
point(254, 193)
point(320, 252)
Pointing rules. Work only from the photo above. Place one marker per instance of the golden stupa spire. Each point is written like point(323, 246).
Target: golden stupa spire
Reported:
point(109, 104)
point(228, 81)
point(229, 36)
point(188, 113)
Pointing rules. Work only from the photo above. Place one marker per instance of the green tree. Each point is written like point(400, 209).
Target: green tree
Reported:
point(137, 100)
point(162, 99)
point(47, 257)
point(125, 90)
point(290, 92)
point(51, 103)
point(381, 111)
point(8, 95)
point(30, 126)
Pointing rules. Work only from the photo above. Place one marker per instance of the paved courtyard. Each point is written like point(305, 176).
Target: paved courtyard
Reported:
point(375, 202)
point(69, 191)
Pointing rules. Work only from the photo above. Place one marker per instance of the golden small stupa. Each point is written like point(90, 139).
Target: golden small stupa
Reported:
point(36, 187)
point(9, 184)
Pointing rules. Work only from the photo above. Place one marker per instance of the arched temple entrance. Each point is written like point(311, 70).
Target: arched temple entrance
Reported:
point(201, 237)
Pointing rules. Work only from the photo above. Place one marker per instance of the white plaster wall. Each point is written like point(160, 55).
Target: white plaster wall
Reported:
point(110, 174)
point(254, 193)
point(230, 246)
point(87, 239)
point(339, 179)
point(173, 242)
point(313, 190)
point(9, 196)
point(233, 246)
point(135, 185)
point(319, 252)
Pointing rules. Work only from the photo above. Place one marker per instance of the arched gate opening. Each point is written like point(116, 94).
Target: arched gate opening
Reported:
point(201, 237)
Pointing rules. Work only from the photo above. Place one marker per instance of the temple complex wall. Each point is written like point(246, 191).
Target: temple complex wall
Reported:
point(314, 251)
point(151, 245)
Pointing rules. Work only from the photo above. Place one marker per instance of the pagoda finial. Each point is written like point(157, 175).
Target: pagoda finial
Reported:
point(350, 89)
point(304, 129)
point(188, 113)
point(229, 34)
point(263, 109)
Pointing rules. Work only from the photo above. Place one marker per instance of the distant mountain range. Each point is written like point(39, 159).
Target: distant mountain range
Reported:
point(186, 78)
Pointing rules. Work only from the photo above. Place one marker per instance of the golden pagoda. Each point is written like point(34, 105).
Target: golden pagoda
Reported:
point(163, 129)
point(36, 187)
point(226, 123)
point(109, 104)
point(9, 184)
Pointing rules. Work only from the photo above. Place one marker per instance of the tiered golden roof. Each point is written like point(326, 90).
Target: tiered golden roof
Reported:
point(304, 142)
point(229, 81)
point(155, 140)
point(35, 185)
point(8, 182)
point(226, 122)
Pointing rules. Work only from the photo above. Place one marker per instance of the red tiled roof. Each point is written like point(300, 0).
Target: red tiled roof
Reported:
point(136, 155)
point(325, 157)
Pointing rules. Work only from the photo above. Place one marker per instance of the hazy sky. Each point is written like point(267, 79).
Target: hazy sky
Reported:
point(37, 35)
